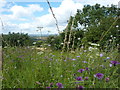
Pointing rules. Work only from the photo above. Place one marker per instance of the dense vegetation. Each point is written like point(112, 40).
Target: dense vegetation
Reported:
point(94, 24)
point(28, 68)
point(84, 55)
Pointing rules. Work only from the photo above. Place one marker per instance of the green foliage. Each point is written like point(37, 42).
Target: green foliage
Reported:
point(39, 43)
point(95, 24)
point(16, 39)
point(55, 42)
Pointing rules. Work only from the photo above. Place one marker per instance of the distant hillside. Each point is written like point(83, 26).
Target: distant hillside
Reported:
point(38, 35)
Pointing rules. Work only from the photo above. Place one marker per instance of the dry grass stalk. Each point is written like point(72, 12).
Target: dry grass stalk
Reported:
point(65, 39)
point(73, 44)
point(1, 34)
point(69, 41)
point(53, 16)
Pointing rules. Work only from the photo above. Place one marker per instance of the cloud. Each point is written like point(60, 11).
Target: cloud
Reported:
point(20, 11)
point(19, 15)
point(62, 13)
point(102, 2)
point(28, 22)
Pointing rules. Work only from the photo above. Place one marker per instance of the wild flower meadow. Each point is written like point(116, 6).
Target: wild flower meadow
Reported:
point(25, 67)
point(83, 53)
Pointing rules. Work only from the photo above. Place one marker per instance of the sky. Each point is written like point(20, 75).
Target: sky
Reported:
point(26, 15)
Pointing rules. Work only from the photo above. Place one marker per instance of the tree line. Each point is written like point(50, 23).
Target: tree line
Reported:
point(93, 24)
point(16, 39)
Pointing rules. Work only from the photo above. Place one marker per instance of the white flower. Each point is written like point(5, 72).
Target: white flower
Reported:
point(110, 40)
point(117, 26)
point(91, 56)
point(110, 65)
point(49, 45)
point(90, 48)
point(94, 44)
point(34, 42)
point(62, 43)
point(61, 76)
point(82, 46)
point(78, 38)
point(108, 58)
point(39, 53)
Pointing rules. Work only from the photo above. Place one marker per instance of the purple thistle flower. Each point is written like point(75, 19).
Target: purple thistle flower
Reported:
point(53, 55)
point(84, 61)
point(87, 68)
point(80, 87)
point(114, 62)
point(99, 75)
point(51, 84)
point(86, 78)
point(48, 87)
point(107, 79)
point(59, 85)
point(81, 70)
point(73, 59)
point(79, 79)
point(77, 56)
point(50, 59)
point(101, 55)
point(65, 60)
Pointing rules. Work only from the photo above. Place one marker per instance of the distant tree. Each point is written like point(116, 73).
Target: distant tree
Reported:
point(16, 39)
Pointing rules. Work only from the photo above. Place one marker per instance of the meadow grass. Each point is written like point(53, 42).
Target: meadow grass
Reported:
point(25, 67)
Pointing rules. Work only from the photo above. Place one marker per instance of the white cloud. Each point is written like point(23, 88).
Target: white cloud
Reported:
point(19, 14)
point(102, 2)
point(62, 13)
point(20, 11)
point(66, 9)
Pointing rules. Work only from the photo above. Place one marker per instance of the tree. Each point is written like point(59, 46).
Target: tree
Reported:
point(16, 39)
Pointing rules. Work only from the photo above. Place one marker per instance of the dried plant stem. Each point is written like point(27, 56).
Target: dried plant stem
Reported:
point(69, 41)
point(65, 39)
point(73, 44)
point(1, 34)
point(53, 16)
point(109, 29)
